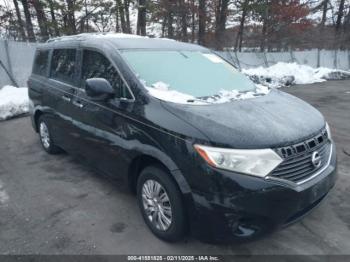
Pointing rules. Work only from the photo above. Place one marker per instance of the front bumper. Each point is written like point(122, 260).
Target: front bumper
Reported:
point(256, 206)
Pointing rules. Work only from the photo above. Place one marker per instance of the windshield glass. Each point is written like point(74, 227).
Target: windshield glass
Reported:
point(194, 73)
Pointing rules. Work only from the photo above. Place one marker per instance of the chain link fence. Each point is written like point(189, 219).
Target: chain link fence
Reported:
point(336, 59)
point(16, 60)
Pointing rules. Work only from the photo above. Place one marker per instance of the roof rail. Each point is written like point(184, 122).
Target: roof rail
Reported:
point(86, 35)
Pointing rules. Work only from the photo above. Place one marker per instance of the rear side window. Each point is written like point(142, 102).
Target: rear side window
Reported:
point(63, 65)
point(97, 65)
point(41, 62)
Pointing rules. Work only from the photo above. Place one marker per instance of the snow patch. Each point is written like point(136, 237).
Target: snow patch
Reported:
point(115, 35)
point(13, 101)
point(286, 74)
point(4, 197)
point(163, 92)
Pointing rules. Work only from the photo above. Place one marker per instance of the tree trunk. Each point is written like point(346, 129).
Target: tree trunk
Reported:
point(122, 16)
point(193, 21)
point(340, 16)
point(220, 22)
point(202, 17)
point(29, 24)
point(127, 15)
point(141, 18)
point(164, 23)
point(53, 18)
point(347, 24)
point(239, 38)
point(183, 17)
point(170, 20)
point(324, 13)
point(321, 30)
point(71, 18)
point(41, 17)
point(20, 21)
point(84, 22)
point(117, 28)
point(323, 22)
point(264, 39)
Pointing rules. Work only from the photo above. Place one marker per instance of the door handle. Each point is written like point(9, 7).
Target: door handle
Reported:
point(78, 104)
point(66, 98)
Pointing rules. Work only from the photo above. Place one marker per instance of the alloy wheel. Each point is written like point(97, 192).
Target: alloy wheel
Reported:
point(156, 204)
point(44, 135)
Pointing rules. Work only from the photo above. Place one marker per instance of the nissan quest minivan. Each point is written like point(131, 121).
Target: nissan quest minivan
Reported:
point(205, 150)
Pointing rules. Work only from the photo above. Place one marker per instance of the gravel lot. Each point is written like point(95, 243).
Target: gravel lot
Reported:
point(56, 205)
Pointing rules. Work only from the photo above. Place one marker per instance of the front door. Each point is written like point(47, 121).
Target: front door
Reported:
point(103, 140)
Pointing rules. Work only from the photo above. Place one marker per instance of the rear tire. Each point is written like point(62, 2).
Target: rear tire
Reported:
point(45, 136)
point(160, 202)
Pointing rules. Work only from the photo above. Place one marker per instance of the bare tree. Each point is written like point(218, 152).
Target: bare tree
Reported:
point(121, 13)
point(239, 38)
point(127, 15)
point(53, 17)
point(170, 12)
point(141, 17)
point(264, 38)
point(71, 17)
point(41, 17)
point(183, 17)
point(29, 24)
point(202, 19)
point(220, 21)
point(193, 20)
point(20, 21)
point(340, 16)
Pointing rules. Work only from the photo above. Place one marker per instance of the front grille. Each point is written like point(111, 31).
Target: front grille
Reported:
point(297, 165)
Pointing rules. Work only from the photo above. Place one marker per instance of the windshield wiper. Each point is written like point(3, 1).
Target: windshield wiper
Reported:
point(197, 100)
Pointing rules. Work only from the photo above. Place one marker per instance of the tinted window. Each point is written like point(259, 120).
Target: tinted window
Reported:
point(63, 65)
point(40, 63)
point(97, 65)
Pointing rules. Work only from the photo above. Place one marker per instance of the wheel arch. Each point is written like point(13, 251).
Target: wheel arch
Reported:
point(37, 114)
point(144, 160)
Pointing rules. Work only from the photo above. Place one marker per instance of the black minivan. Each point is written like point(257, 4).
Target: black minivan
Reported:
point(204, 149)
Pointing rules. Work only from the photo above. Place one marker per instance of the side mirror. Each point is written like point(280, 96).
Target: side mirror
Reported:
point(99, 89)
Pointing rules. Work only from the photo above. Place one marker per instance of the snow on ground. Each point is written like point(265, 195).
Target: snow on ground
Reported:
point(286, 74)
point(13, 101)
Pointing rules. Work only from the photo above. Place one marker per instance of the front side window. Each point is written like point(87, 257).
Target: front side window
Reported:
point(41, 62)
point(96, 65)
point(63, 65)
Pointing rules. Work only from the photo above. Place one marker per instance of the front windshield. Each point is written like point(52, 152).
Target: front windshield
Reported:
point(195, 73)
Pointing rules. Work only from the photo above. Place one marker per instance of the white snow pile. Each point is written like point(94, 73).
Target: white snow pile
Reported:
point(162, 91)
point(13, 101)
point(286, 74)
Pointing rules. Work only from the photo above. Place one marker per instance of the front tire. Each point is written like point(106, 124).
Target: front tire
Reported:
point(161, 204)
point(46, 138)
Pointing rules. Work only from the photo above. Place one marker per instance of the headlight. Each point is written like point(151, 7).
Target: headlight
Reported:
point(258, 162)
point(328, 131)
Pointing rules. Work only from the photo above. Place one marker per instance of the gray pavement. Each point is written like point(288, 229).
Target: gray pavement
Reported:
point(56, 205)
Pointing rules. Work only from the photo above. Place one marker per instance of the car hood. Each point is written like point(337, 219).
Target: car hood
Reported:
point(273, 120)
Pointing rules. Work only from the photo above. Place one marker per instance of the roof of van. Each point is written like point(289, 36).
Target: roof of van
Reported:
point(126, 41)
